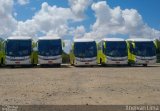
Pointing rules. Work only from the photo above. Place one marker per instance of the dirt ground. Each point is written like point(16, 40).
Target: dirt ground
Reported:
point(80, 85)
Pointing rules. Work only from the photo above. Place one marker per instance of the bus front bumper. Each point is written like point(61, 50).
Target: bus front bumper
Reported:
point(43, 60)
point(17, 60)
point(145, 60)
point(117, 60)
point(85, 61)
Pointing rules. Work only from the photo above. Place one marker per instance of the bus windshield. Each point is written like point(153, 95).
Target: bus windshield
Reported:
point(85, 49)
point(49, 47)
point(145, 49)
point(18, 48)
point(116, 49)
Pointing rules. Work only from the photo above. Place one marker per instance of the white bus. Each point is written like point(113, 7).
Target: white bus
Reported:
point(141, 51)
point(49, 51)
point(18, 51)
point(112, 51)
point(84, 52)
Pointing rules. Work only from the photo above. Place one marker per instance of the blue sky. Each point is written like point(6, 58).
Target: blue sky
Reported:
point(70, 19)
point(34, 6)
point(147, 8)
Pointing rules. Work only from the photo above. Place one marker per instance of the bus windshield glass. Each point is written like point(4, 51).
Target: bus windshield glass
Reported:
point(18, 48)
point(85, 49)
point(145, 49)
point(116, 49)
point(49, 47)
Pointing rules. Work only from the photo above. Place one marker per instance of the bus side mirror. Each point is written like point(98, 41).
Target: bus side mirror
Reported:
point(133, 45)
point(4, 45)
point(104, 47)
point(37, 46)
point(132, 48)
point(63, 44)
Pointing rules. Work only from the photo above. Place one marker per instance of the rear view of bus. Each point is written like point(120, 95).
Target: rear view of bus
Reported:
point(84, 52)
point(141, 51)
point(18, 51)
point(49, 51)
point(112, 51)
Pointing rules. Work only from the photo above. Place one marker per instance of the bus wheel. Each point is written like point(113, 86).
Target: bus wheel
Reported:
point(145, 65)
point(129, 64)
point(102, 64)
point(1, 62)
point(58, 65)
point(12, 66)
point(100, 61)
point(33, 65)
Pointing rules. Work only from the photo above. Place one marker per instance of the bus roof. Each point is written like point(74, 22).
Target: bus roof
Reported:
point(19, 38)
point(140, 40)
point(113, 39)
point(84, 40)
point(48, 38)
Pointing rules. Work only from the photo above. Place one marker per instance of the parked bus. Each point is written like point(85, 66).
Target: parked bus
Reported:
point(112, 51)
point(18, 51)
point(141, 51)
point(49, 51)
point(84, 52)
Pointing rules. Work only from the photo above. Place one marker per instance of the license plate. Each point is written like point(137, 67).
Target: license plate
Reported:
point(50, 62)
point(117, 62)
point(86, 63)
point(17, 62)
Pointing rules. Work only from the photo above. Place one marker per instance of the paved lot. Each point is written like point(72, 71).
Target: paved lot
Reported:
point(80, 85)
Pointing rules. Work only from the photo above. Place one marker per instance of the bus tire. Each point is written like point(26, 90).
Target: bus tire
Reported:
point(102, 64)
point(100, 61)
point(58, 65)
point(129, 64)
point(33, 64)
point(1, 64)
point(145, 65)
point(12, 66)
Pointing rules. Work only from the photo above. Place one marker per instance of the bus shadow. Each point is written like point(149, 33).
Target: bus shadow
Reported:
point(53, 66)
point(88, 66)
point(35, 67)
point(114, 66)
point(69, 66)
point(127, 66)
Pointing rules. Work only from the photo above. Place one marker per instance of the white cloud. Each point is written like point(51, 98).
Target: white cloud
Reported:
point(78, 32)
point(78, 7)
point(23, 2)
point(49, 20)
point(117, 21)
point(7, 21)
point(68, 45)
